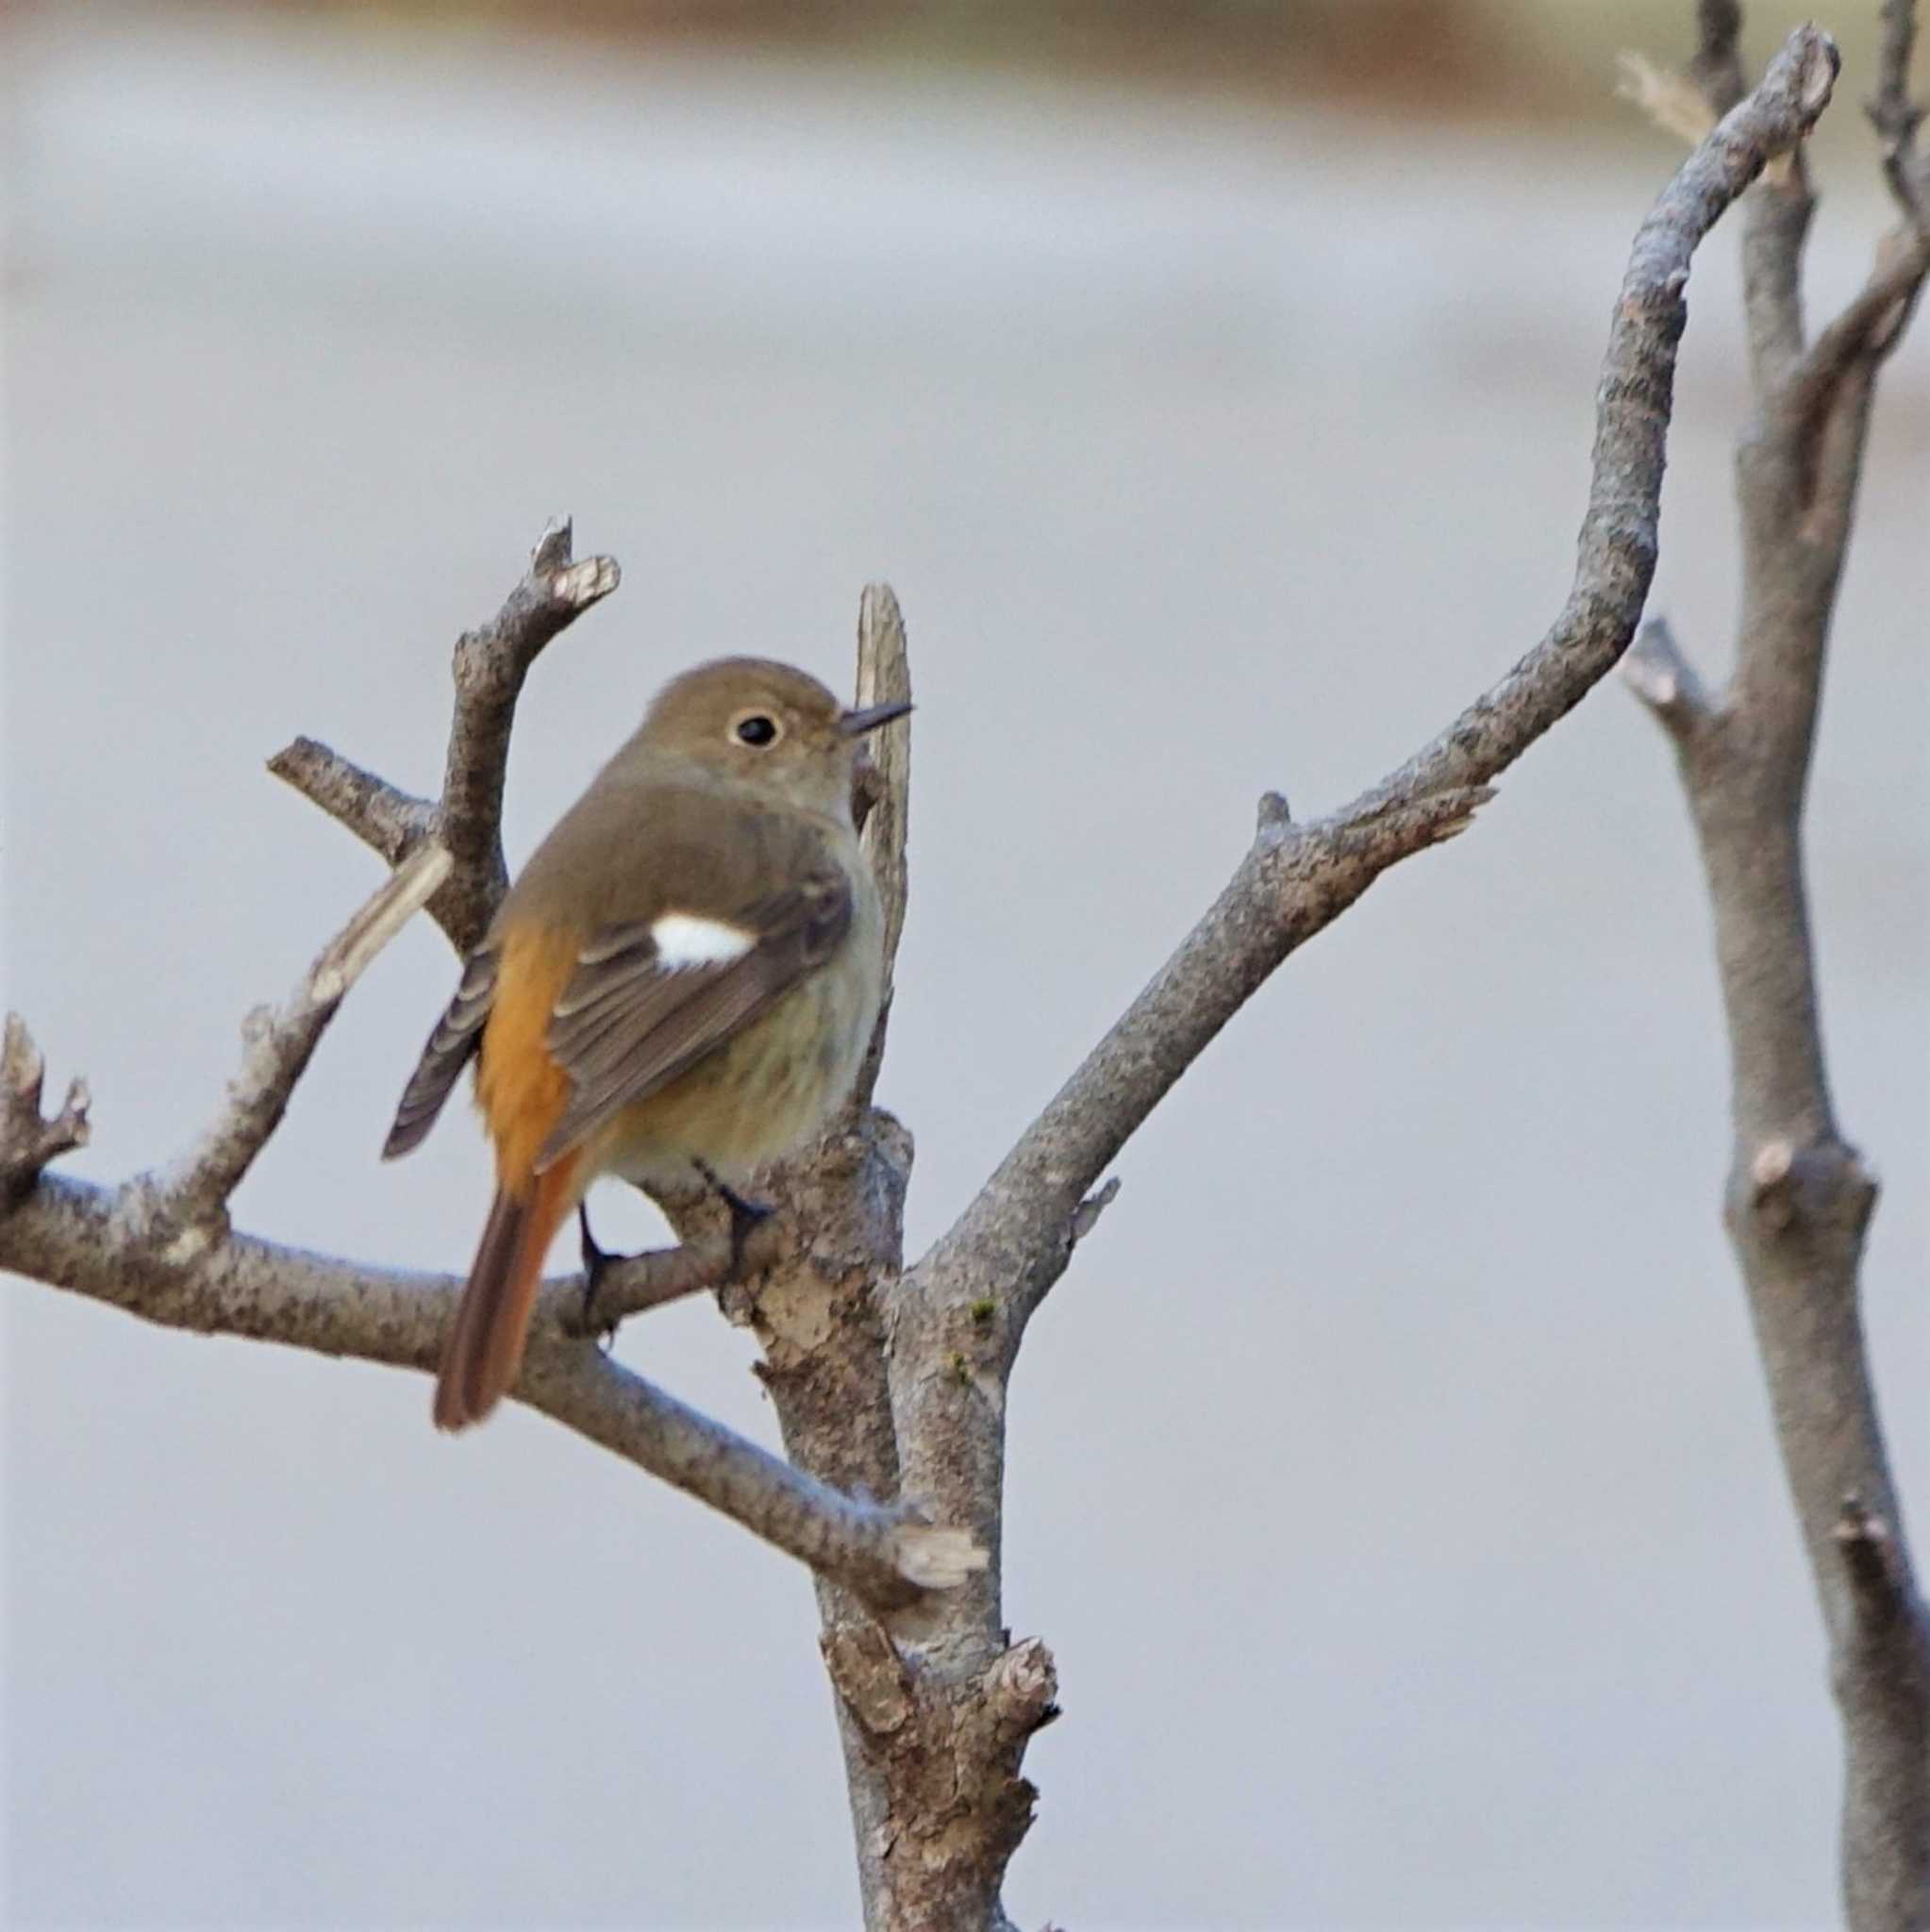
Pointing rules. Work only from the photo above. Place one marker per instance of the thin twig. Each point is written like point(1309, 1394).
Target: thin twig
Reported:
point(489, 666)
point(1619, 542)
point(884, 677)
point(1676, 102)
point(384, 817)
point(30, 1142)
point(1804, 387)
point(1717, 67)
point(1869, 326)
point(1659, 673)
point(189, 1202)
point(490, 663)
point(1896, 117)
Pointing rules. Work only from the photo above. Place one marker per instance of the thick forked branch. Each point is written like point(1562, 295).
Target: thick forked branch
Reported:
point(489, 666)
point(1799, 1197)
point(952, 1351)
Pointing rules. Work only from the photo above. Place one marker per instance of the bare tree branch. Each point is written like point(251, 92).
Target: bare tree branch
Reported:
point(950, 1359)
point(188, 1202)
point(884, 677)
point(1675, 101)
point(489, 666)
point(1717, 68)
point(1799, 1197)
point(1775, 213)
point(1875, 319)
point(1775, 223)
point(29, 1141)
point(1869, 326)
point(1665, 681)
point(1086, 1215)
point(385, 818)
point(818, 1318)
point(98, 1242)
point(1804, 385)
point(1896, 117)
point(1617, 542)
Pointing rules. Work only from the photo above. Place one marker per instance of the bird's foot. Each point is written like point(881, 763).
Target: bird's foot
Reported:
point(746, 1217)
point(597, 1262)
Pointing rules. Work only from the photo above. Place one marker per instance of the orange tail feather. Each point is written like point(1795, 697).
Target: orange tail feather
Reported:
point(485, 1346)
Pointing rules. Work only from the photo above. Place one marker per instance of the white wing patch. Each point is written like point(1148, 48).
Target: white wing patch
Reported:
point(684, 940)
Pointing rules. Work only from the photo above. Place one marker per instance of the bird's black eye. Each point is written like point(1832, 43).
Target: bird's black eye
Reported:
point(757, 729)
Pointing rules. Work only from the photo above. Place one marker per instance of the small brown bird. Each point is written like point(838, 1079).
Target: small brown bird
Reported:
point(681, 983)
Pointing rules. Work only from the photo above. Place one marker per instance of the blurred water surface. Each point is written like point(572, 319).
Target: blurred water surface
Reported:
point(1391, 1473)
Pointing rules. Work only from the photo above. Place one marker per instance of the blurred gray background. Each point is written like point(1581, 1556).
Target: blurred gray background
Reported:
point(1390, 1475)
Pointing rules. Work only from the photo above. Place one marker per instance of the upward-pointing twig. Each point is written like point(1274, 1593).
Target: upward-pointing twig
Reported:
point(489, 666)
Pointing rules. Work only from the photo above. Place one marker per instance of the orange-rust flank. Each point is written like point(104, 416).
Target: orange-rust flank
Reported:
point(519, 1087)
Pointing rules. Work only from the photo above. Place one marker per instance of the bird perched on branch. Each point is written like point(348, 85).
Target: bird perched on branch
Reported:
point(681, 983)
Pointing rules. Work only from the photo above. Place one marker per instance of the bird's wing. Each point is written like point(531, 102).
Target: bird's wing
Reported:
point(457, 1036)
point(649, 999)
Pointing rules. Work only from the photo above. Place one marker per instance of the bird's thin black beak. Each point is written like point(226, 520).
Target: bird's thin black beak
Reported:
point(856, 723)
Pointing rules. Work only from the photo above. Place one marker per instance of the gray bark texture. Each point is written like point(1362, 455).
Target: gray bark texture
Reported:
point(889, 1383)
point(1799, 1197)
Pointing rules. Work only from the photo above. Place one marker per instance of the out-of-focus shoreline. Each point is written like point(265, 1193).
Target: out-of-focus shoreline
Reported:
point(1517, 59)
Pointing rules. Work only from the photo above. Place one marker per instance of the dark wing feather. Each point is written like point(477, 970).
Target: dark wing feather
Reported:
point(626, 1026)
point(457, 1036)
